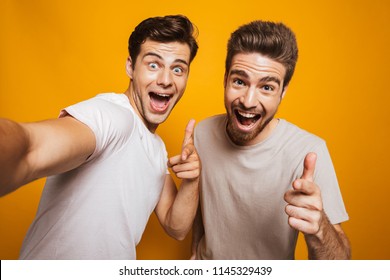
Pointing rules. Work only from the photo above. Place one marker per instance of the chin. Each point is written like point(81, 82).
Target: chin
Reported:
point(239, 137)
point(156, 119)
point(243, 138)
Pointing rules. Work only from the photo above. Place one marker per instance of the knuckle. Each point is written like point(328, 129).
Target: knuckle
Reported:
point(288, 209)
point(318, 217)
point(314, 228)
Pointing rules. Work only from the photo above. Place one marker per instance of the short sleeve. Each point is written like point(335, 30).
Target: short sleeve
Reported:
point(325, 177)
point(111, 123)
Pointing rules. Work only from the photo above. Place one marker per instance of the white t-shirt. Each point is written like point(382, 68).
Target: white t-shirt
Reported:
point(243, 187)
point(100, 209)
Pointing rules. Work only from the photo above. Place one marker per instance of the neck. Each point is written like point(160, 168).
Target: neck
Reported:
point(132, 99)
point(267, 130)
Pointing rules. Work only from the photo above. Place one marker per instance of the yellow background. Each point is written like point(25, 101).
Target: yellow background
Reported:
point(56, 53)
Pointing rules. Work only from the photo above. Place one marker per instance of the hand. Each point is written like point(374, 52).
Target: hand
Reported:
point(187, 164)
point(304, 206)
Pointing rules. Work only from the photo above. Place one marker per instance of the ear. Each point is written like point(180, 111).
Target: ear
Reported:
point(225, 80)
point(129, 68)
point(283, 93)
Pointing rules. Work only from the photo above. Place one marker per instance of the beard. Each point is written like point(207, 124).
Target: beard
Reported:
point(242, 138)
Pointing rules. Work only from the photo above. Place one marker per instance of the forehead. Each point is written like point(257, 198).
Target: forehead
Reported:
point(171, 51)
point(256, 64)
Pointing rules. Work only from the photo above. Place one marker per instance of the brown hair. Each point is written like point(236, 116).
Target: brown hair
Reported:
point(274, 40)
point(175, 28)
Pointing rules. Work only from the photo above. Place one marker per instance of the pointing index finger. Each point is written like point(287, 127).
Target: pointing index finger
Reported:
point(189, 133)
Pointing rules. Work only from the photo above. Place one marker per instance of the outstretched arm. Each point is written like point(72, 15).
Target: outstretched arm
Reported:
point(306, 214)
point(14, 146)
point(33, 150)
point(176, 209)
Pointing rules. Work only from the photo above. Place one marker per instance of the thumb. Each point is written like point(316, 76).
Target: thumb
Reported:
point(309, 165)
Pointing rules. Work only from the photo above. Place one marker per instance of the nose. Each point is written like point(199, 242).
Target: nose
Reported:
point(165, 78)
point(248, 99)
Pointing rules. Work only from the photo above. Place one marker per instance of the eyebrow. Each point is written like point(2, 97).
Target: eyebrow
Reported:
point(270, 79)
point(240, 73)
point(178, 60)
point(244, 74)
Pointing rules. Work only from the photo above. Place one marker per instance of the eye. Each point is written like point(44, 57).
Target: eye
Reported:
point(268, 88)
point(238, 82)
point(178, 70)
point(153, 65)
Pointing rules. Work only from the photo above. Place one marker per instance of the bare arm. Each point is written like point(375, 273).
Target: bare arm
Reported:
point(176, 209)
point(329, 243)
point(197, 233)
point(14, 145)
point(306, 214)
point(33, 150)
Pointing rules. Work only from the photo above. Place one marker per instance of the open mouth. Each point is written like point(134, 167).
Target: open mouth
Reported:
point(246, 119)
point(159, 101)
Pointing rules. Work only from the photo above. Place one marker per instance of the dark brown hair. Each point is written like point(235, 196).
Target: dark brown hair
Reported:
point(274, 40)
point(175, 28)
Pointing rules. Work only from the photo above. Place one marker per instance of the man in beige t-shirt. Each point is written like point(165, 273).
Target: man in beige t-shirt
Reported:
point(263, 179)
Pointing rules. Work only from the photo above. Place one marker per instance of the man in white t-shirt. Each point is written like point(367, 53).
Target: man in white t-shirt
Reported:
point(263, 179)
point(107, 169)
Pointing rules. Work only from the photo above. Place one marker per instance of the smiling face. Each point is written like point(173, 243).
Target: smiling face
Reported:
point(253, 92)
point(158, 80)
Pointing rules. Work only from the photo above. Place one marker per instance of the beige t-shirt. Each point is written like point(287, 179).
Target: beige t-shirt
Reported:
point(242, 190)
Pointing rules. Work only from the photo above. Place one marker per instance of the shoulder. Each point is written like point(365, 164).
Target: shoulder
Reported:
point(210, 131)
point(113, 99)
point(109, 116)
point(107, 109)
point(295, 143)
point(101, 102)
point(108, 104)
point(294, 134)
point(211, 123)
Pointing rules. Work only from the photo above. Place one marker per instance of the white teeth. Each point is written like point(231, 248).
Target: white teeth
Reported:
point(247, 115)
point(162, 95)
